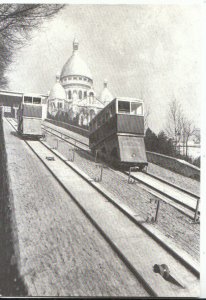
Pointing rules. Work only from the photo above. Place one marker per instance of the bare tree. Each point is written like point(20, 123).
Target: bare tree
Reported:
point(174, 122)
point(188, 130)
point(16, 23)
point(196, 135)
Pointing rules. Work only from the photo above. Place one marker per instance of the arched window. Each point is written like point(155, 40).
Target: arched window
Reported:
point(70, 95)
point(85, 94)
point(80, 94)
point(91, 94)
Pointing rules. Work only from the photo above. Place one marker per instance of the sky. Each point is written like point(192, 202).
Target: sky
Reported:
point(152, 52)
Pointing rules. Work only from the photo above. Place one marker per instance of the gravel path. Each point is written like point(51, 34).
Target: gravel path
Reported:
point(61, 253)
point(172, 223)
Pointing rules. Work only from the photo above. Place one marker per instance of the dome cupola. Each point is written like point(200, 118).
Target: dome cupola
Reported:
point(75, 66)
point(106, 96)
point(57, 92)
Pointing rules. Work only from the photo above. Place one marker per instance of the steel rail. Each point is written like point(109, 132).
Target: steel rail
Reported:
point(149, 187)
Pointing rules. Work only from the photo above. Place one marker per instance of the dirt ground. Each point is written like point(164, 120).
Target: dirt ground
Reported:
point(61, 253)
point(171, 222)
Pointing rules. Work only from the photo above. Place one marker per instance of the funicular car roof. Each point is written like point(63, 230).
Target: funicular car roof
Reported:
point(127, 99)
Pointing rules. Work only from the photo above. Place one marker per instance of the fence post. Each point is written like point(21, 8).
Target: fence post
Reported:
point(196, 218)
point(130, 180)
point(101, 173)
point(157, 210)
point(96, 153)
point(151, 218)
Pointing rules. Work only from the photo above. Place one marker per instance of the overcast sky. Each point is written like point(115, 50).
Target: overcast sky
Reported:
point(151, 52)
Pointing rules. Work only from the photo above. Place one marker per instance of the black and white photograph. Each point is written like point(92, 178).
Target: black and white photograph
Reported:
point(102, 142)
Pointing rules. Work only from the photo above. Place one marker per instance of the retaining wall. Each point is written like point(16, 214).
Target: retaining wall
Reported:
point(179, 166)
point(73, 128)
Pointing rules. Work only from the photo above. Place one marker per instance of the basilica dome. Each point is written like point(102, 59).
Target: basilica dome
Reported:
point(75, 66)
point(57, 92)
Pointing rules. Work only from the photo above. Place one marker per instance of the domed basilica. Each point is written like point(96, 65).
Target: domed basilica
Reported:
point(73, 94)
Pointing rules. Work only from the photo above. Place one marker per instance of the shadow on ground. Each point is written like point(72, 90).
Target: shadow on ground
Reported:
point(11, 284)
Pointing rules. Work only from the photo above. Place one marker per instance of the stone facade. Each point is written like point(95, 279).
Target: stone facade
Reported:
point(73, 94)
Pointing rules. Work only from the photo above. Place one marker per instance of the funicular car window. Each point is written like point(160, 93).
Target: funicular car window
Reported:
point(27, 99)
point(112, 110)
point(103, 119)
point(136, 108)
point(36, 100)
point(107, 115)
point(98, 122)
point(94, 125)
point(124, 107)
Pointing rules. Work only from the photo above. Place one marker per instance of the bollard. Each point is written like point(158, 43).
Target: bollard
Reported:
point(99, 179)
point(57, 144)
point(73, 154)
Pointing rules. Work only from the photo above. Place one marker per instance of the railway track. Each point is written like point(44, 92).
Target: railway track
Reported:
point(143, 253)
point(71, 140)
point(183, 200)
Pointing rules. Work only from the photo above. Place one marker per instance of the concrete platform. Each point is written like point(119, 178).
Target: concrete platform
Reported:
point(166, 189)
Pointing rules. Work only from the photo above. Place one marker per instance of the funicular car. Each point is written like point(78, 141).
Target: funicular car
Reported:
point(117, 133)
point(30, 116)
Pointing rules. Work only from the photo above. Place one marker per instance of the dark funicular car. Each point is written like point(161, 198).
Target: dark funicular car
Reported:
point(117, 133)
